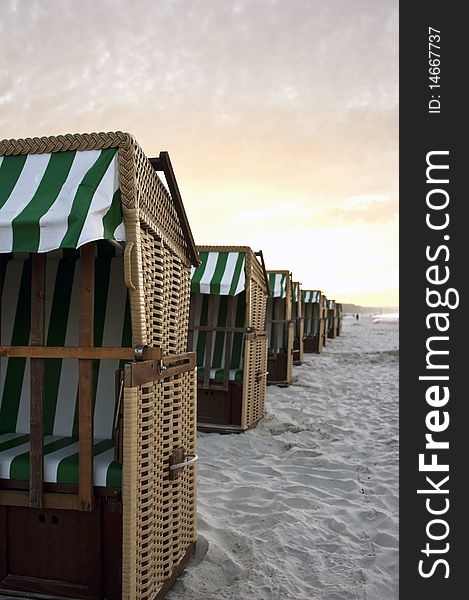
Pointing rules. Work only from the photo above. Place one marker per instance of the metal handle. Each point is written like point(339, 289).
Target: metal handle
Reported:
point(261, 375)
point(138, 351)
point(194, 459)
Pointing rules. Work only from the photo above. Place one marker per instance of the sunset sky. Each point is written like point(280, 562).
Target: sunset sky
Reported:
point(281, 118)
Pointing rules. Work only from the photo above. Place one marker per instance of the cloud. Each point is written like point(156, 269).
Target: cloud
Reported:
point(278, 114)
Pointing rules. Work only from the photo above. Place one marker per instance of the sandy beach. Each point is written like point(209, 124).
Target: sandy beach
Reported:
point(305, 506)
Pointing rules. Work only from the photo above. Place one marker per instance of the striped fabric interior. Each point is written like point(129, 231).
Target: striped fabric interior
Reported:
point(309, 296)
point(277, 341)
point(111, 328)
point(295, 290)
point(199, 304)
point(278, 284)
point(311, 319)
point(220, 273)
point(59, 200)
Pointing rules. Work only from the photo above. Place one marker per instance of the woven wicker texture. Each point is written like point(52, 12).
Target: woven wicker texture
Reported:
point(163, 511)
point(158, 514)
point(255, 351)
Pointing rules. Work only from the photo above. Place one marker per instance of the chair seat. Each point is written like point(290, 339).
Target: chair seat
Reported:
point(60, 460)
point(217, 374)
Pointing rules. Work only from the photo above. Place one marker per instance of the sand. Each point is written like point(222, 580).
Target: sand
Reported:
point(306, 505)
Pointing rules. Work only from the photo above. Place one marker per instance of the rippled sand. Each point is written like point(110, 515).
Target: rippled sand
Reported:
point(306, 505)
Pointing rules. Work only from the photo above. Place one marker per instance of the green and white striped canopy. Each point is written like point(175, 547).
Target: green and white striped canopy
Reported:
point(278, 285)
point(311, 296)
point(295, 290)
point(59, 200)
point(219, 273)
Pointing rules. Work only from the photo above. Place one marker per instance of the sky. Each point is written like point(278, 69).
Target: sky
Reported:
point(281, 118)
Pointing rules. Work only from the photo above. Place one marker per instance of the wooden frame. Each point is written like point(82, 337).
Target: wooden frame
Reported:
point(37, 338)
point(78, 352)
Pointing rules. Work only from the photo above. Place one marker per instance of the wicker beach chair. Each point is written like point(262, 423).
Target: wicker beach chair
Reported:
point(298, 323)
point(97, 391)
point(331, 319)
point(227, 330)
point(313, 310)
point(280, 328)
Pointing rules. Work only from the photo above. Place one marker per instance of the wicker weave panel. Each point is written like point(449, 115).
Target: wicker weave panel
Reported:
point(254, 385)
point(164, 518)
point(258, 300)
point(166, 281)
point(258, 274)
point(255, 351)
point(157, 209)
point(159, 514)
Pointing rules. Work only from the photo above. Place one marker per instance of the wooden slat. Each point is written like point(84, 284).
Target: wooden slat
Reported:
point(140, 373)
point(85, 372)
point(50, 500)
point(209, 341)
point(230, 321)
point(260, 255)
point(256, 335)
point(37, 338)
point(78, 352)
point(277, 316)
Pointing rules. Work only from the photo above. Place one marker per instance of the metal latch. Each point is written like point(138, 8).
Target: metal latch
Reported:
point(178, 460)
point(138, 351)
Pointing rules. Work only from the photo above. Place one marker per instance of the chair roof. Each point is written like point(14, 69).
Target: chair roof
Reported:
point(66, 191)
